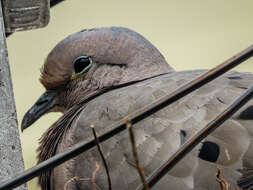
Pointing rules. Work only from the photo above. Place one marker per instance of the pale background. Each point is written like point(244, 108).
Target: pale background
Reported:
point(196, 34)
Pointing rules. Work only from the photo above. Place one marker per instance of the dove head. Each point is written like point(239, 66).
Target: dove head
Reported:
point(91, 61)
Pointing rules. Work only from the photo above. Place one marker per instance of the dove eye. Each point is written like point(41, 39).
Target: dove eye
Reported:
point(81, 65)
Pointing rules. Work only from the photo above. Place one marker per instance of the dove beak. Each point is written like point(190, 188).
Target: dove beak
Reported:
point(45, 103)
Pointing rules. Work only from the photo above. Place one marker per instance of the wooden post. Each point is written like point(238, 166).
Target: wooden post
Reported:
point(11, 160)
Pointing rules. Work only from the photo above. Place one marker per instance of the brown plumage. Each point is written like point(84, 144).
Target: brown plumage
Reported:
point(51, 139)
point(99, 76)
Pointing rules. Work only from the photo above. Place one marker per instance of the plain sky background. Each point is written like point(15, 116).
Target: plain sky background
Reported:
point(196, 34)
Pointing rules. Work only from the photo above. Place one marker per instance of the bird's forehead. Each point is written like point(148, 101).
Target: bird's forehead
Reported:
point(96, 44)
point(112, 44)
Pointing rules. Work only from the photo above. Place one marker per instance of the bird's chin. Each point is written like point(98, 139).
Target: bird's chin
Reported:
point(44, 104)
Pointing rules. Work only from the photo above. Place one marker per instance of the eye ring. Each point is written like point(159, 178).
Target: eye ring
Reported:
point(81, 65)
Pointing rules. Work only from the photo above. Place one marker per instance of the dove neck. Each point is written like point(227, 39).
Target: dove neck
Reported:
point(104, 90)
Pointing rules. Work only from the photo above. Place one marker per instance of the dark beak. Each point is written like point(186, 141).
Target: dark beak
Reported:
point(46, 102)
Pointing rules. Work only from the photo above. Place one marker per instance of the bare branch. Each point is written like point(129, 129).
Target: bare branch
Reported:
point(224, 185)
point(103, 158)
point(76, 178)
point(94, 176)
point(135, 154)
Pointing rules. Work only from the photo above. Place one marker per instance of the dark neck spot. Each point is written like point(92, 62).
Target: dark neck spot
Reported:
point(209, 151)
point(182, 136)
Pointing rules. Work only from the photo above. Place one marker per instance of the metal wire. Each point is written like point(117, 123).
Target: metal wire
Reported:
point(134, 118)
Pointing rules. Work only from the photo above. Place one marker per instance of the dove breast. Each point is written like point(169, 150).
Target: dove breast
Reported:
point(160, 135)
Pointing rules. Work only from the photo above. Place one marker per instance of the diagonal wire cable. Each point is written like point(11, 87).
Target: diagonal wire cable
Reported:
point(198, 137)
point(134, 118)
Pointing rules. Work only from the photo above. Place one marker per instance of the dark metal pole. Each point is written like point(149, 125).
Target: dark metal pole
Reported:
point(134, 118)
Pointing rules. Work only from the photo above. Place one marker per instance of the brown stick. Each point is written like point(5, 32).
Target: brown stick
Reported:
point(223, 184)
point(94, 176)
point(103, 158)
point(135, 154)
point(76, 178)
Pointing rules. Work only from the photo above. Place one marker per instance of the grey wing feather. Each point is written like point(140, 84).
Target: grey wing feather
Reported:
point(160, 135)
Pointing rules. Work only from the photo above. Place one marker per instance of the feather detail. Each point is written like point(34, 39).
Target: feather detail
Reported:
point(246, 181)
point(51, 138)
point(54, 77)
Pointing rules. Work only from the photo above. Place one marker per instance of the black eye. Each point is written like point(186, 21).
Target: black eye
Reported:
point(81, 64)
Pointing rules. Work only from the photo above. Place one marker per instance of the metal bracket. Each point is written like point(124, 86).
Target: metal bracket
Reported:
point(25, 14)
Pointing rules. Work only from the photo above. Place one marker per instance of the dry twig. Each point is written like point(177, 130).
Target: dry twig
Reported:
point(76, 178)
point(94, 176)
point(223, 184)
point(135, 154)
point(103, 158)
